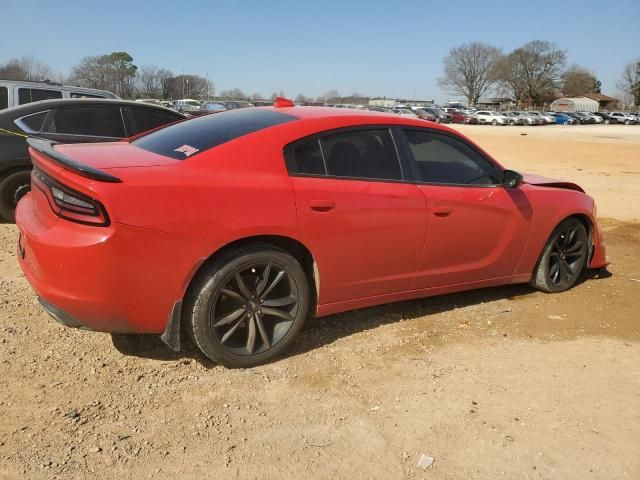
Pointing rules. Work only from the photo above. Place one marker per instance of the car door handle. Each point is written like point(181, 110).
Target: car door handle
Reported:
point(442, 210)
point(322, 205)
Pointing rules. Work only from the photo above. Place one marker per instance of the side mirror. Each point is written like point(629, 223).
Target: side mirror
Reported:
point(511, 179)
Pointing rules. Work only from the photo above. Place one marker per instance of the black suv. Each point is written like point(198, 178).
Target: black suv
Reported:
point(66, 121)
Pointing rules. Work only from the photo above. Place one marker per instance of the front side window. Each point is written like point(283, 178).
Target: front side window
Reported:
point(28, 95)
point(91, 121)
point(443, 159)
point(362, 154)
point(4, 97)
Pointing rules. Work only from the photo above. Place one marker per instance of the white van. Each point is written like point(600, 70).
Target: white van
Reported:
point(14, 93)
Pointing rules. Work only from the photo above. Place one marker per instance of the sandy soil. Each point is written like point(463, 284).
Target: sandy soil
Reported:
point(499, 383)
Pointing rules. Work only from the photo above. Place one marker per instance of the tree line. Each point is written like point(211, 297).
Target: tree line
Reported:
point(533, 74)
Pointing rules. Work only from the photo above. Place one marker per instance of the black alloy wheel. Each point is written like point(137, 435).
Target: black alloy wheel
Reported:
point(255, 308)
point(248, 305)
point(564, 257)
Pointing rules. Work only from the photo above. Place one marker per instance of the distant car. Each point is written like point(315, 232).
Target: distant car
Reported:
point(578, 119)
point(584, 118)
point(16, 93)
point(490, 117)
point(405, 112)
point(564, 119)
point(152, 101)
point(441, 115)
point(596, 118)
point(515, 118)
point(66, 121)
point(622, 117)
point(458, 116)
point(546, 119)
point(235, 104)
point(187, 106)
point(423, 114)
point(213, 107)
point(606, 117)
point(234, 228)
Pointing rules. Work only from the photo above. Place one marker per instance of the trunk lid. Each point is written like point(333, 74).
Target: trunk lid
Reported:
point(112, 155)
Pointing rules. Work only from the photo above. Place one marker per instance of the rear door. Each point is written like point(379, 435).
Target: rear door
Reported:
point(86, 123)
point(363, 221)
point(477, 229)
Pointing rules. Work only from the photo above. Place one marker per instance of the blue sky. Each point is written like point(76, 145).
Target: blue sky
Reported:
point(392, 49)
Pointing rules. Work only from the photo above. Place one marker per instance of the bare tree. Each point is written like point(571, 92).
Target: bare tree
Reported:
point(256, 96)
point(150, 84)
point(469, 70)
point(630, 81)
point(233, 94)
point(187, 86)
point(26, 68)
point(577, 81)
point(332, 96)
point(532, 72)
point(114, 72)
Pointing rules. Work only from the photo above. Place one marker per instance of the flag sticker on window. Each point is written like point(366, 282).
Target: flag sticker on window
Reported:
point(188, 150)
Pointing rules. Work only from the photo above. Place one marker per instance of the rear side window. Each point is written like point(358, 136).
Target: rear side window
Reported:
point(185, 139)
point(32, 123)
point(91, 121)
point(306, 158)
point(28, 95)
point(4, 97)
point(362, 154)
point(148, 118)
point(443, 159)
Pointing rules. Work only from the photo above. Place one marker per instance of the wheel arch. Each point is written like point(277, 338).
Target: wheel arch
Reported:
point(290, 245)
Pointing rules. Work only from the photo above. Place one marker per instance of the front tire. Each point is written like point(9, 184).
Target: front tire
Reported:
point(12, 187)
point(248, 306)
point(494, 123)
point(563, 259)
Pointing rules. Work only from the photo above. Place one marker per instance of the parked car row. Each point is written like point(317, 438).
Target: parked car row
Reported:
point(189, 106)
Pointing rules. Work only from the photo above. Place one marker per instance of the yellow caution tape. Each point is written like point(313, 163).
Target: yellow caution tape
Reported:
point(9, 132)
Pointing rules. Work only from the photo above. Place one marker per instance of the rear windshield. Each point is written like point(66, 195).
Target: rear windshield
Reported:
point(193, 136)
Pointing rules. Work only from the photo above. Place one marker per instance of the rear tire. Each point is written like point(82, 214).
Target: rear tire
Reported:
point(563, 259)
point(12, 187)
point(494, 123)
point(248, 306)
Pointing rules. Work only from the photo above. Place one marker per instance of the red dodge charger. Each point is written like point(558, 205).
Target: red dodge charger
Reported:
point(235, 227)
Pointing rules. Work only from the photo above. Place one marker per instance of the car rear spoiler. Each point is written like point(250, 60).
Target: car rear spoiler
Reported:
point(46, 147)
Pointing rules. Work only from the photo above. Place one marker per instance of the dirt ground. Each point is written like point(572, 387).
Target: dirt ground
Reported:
point(498, 383)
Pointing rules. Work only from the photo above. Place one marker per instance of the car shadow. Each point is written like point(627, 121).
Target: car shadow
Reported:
point(319, 332)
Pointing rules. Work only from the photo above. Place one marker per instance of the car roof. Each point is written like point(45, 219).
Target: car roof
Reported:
point(33, 107)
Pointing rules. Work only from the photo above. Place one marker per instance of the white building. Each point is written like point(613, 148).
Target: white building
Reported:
point(575, 104)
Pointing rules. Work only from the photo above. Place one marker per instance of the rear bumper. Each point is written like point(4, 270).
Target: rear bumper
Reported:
point(118, 279)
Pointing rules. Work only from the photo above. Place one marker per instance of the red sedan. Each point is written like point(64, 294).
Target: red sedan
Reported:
point(235, 227)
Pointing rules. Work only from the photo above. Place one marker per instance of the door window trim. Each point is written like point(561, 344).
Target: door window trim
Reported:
point(23, 126)
point(414, 167)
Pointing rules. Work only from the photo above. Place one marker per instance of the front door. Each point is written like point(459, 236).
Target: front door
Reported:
point(477, 229)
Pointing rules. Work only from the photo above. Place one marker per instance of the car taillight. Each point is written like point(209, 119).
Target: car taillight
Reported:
point(68, 203)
